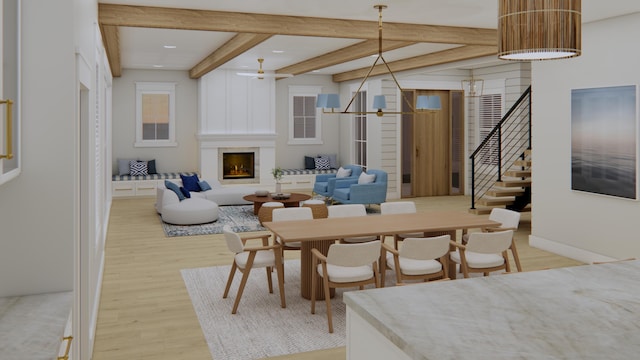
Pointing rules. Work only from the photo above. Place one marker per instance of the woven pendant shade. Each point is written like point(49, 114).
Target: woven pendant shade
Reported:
point(539, 29)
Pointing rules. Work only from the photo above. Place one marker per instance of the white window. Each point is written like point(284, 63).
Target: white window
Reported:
point(155, 114)
point(360, 129)
point(489, 115)
point(304, 118)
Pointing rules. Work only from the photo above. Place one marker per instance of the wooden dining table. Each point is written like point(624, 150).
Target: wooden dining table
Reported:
point(321, 233)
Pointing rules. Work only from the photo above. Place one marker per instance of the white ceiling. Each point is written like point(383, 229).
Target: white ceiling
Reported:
point(142, 48)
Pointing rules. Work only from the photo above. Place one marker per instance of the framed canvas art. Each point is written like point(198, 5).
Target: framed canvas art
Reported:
point(604, 141)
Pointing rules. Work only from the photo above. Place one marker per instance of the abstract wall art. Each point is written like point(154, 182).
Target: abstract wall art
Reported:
point(604, 141)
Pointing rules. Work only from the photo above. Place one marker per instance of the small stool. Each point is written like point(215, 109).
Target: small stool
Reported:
point(318, 208)
point(264, 214)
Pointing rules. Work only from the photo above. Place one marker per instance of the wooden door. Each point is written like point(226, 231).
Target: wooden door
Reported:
point(431, 148)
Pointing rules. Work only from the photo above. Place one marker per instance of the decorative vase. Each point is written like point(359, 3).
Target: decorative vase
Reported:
point(278, 188)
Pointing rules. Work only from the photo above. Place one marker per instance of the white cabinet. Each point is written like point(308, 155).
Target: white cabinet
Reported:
point(135, 188)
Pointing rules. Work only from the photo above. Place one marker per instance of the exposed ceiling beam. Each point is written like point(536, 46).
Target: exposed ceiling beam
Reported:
point(207, 20)
point(232, 48)
point(349, 53)
point(441, 57)
point(111, 40)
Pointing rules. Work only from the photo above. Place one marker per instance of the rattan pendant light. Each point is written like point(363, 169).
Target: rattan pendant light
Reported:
point(539, 29)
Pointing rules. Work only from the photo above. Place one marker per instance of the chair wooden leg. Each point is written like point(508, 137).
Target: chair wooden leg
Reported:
point(463, 264)
point(280, 271)
point(243, 282)
point(327, 301)
point(229, 280)
point(269, 281)
point(314, 282)
point(514, 252)
point(505, 255)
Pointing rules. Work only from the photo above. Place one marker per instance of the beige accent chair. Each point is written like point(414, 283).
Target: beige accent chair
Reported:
point(350, 210)
point(417, 259)
point(483, 253)
point(246, 258)
point(346, 265)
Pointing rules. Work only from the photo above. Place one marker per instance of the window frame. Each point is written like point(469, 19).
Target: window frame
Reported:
point(482, 130)
point(305, 91)
point(360, 129)
point(168, 88)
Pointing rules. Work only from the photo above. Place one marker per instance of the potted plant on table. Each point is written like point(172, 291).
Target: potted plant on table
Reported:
point(277, 173)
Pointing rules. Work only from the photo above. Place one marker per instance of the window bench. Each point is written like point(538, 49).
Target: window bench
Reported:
point(141, 185)
point(302, 179)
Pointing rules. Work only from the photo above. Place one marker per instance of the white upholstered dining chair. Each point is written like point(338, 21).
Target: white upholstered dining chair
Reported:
point(509, 220)
point(291, 214)
point(400, 207)
point(417, 259)
point(246, 258)
point(484, 252)
point(346, 265)
point(349, 210)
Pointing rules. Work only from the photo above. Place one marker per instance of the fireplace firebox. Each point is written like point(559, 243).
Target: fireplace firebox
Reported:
point(238, 165)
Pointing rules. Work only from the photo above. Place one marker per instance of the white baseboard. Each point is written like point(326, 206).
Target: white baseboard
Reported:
point(566, 250)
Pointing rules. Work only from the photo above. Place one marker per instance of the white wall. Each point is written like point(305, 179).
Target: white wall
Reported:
point(37, 213)
point(292, 156)
point(184, 157)
point(584, 226)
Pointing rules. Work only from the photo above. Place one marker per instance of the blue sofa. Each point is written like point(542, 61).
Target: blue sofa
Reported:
point(325, 183)
point(348, 191)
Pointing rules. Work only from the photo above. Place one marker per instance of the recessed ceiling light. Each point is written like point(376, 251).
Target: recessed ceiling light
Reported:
point(158, 66)
point(315, 70)
point(277, 51)
point(170, 46)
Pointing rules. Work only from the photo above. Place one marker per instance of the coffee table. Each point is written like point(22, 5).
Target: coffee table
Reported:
point(293, 200)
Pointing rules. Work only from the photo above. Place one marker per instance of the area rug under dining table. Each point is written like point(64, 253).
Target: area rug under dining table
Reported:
point(261, 328)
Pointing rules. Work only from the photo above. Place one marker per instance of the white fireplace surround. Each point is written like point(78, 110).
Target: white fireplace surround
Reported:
point(213, 145)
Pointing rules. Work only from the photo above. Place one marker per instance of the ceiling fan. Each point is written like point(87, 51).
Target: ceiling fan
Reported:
point(261, 74)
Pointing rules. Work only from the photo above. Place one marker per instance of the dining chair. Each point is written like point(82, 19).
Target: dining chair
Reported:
point(400, 207)
point(345, 265)
point(509, 220)
point(291, 214)
point(417, 259)
point(484, 252)
point(247, 258)
point(350, 210)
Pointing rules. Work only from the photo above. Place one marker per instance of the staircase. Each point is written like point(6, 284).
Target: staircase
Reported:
point(501, 165)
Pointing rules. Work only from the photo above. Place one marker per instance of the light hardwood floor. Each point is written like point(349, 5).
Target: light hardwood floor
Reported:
point(145, 311)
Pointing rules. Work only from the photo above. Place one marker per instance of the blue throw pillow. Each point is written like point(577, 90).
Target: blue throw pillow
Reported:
point(151, 167)
point(175, 188)
point(185, 192)
point(190, 182)
point(309, 163)
point(204, 186)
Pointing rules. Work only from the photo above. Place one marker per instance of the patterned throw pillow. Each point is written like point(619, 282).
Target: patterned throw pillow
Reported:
point(322, 163)
point(138, 167)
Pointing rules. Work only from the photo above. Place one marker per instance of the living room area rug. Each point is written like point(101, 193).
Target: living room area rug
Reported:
point(239, 217)
point(261, 328)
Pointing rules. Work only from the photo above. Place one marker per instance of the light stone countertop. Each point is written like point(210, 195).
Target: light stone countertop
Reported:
point(582, 312)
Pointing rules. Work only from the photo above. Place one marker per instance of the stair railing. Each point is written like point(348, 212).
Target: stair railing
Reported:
point(501, 147)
